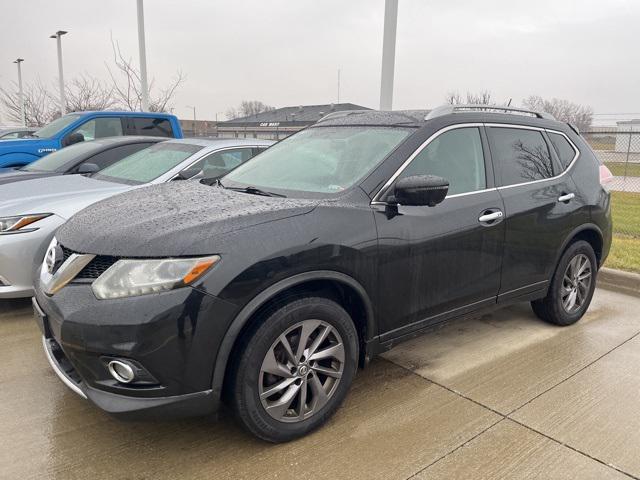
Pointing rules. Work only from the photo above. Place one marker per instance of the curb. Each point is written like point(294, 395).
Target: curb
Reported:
point(619, 281)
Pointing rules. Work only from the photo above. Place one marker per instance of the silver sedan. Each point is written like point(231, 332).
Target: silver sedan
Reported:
point(31, 211)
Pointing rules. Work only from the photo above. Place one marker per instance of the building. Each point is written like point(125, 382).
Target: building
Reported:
point(628, 142)
point(281, 122)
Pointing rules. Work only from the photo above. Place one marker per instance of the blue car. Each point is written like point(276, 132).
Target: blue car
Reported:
point(81, 126)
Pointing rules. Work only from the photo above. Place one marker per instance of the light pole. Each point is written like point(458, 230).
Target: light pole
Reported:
point(388, 54)
point(63, 101)
point(143, 58)
point(194, 112)
point(18, 61)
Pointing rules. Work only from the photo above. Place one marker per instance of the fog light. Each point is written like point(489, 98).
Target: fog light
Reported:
point(121, 371)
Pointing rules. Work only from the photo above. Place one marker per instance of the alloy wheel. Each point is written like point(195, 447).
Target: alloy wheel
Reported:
point(301, 371)
point(576, 283)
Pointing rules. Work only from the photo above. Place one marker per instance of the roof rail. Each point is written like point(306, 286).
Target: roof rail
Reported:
point(341, 113)
point(447, 109)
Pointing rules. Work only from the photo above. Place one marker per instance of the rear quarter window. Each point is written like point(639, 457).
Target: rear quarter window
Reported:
point(566, 152)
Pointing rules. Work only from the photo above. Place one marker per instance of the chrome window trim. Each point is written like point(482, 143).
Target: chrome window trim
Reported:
point(406, 163)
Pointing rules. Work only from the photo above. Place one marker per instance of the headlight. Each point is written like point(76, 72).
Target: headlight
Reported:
point(129, 278)
point(17, 224)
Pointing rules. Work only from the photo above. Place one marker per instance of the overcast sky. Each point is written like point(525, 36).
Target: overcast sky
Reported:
point(288, 52)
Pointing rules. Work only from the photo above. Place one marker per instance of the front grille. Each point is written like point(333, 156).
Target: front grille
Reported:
point(95, 268)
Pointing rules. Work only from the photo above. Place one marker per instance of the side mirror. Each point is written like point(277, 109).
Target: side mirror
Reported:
point(188, 173)
point(88, 168)
point(72, 138)
point(421, 190)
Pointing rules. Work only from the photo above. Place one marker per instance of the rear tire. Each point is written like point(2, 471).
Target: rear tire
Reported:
point(282, 390)
point(571, 288)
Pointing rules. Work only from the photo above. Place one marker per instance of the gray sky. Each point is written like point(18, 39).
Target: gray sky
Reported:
point(287, 52)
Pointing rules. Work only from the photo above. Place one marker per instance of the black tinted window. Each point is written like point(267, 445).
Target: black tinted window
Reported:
point(520, 155)
point(111, 156)
point(456, 156)
point(565, 151)
point(155, 127)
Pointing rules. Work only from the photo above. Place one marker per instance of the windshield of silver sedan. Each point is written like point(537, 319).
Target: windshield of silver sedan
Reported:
point(148, 164)
point(318, 160)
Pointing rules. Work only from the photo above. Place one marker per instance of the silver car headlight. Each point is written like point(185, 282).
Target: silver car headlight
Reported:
point(130, 278)
point(17, 224)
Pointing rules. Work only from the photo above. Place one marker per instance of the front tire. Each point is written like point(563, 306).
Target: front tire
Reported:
point(295, 369)
point(571, 288)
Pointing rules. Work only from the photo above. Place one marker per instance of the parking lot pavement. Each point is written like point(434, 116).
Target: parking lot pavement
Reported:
point(501, 396)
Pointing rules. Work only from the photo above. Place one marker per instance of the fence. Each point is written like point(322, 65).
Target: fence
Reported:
point(619, 149)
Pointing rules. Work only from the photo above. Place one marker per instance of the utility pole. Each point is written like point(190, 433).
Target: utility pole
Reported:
point(388, 54)
point(63, 101)
point(338, 86)
point(18, 61)
point(143, 58)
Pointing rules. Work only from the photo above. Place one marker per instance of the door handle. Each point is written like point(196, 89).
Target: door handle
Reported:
point(566, 197)
point(490, 217)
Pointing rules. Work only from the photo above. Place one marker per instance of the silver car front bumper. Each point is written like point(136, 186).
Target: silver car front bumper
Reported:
point(21, 255)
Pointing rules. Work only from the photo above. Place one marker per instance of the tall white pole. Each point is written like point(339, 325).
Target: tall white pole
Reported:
point(63, 101)
point(388, 54)
point(143, 58)
point(21, 92)
point(338, 86)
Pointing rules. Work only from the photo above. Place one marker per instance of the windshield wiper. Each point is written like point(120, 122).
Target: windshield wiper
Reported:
point(252, 191)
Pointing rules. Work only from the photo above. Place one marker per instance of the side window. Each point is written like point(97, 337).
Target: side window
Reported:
point(154, 127)
point(113, 155)
point(520, 155)
point(456, 156)
point(219, 163)
point(566, 153)
point(100, 128)
point(10, 135)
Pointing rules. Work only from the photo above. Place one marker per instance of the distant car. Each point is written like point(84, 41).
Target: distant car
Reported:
point(81, 126)
point(10, 133)
point(32, 210)
point(85, 157)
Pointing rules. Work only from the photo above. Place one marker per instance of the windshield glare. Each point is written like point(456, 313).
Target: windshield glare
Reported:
point(61, 160)
point(148, 164)
point(319, 159)
point(56, 126)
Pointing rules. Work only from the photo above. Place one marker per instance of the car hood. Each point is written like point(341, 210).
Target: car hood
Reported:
point(10, 175)
point(63, 195)
point(174, 219)
point(17, 143)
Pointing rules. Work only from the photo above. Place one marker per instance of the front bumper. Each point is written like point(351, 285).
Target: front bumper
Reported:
point(174, 335)
point(21, 255)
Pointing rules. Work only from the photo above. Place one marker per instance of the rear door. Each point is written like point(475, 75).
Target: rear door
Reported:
point(540, 202)
point(149, 126)
point(436, 262)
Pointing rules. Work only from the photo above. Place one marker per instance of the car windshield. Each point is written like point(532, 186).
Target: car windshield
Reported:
point(56, 126)
point(148, 164)
point(319, 160)
point(61, 160)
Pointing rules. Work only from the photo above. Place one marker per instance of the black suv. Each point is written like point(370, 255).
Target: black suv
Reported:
point(270, 287)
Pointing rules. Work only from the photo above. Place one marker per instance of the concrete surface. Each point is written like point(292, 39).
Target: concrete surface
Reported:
point(501, 396)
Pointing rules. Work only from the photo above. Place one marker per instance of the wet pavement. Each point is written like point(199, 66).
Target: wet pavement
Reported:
point(501, 396)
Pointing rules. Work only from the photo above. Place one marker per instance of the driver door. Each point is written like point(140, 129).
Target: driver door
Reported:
point(442, 261)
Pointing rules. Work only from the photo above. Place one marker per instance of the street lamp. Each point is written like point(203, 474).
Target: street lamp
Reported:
point(18, 61)
point(194, 111)
point(63, 101)
point(388, 54)
point(143, 58)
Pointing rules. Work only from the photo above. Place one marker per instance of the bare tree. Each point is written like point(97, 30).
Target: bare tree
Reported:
point(89, 93)
point(248, 108)
point(579, 115)
point(40, 107)
point(126, 85)
point(480, 98)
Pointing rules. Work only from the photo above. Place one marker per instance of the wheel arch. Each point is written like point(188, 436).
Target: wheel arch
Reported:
point(590, 233)
point(346, 287)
